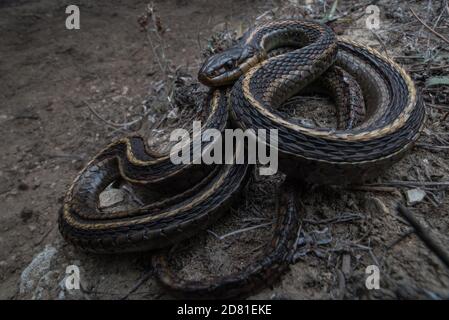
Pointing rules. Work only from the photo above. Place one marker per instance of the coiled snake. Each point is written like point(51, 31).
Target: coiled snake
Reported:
point(380, 116)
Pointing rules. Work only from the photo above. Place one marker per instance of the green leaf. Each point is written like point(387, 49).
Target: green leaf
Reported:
point(435, 81)
point(331, 12)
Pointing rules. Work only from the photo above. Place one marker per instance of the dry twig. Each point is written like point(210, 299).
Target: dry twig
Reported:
point(439, 35)
point(424, 235)
point(125, 125)
point(238, 231)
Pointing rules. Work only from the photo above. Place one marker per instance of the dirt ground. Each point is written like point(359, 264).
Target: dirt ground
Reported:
point(54, 82)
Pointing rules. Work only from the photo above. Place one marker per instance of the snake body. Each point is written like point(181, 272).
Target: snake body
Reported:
point(395, 114)
point(264, 271)
point(199, 194)
point(380, 115)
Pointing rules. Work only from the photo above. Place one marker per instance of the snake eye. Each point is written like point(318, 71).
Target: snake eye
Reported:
point(229, 64)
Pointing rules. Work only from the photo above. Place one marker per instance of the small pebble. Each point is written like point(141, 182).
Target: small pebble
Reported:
point(415, 196)
point(111, 197)
point(375, 206)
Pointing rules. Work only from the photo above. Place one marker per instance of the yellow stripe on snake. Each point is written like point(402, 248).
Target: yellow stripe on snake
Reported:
point(380, 116)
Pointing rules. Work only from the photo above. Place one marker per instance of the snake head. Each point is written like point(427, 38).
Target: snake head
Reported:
point(226, 67)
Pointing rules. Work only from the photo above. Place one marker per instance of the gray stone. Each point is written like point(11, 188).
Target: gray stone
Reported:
point(415, 195)
point(111, 197)
point(38, 267)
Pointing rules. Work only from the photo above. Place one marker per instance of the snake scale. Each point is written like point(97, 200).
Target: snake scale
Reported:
point(380, 115)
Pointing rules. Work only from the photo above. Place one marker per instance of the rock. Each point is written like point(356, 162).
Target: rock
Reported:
point(38, 268)
point(415, 196)
point(46, 286)
point(375, 206)
point(111, 197)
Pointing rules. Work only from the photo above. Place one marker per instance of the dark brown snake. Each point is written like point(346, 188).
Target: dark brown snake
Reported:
point(380, 115)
